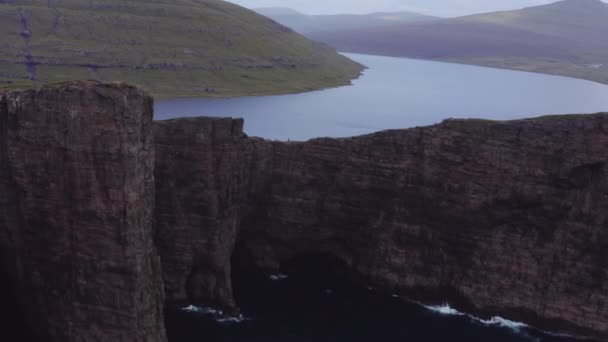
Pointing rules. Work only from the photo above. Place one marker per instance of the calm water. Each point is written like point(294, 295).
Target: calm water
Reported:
point(400, 93)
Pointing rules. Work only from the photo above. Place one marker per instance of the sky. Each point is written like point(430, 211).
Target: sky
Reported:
point(444, 8)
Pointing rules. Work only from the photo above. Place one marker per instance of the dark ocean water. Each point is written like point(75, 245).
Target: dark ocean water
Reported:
point(304, 307)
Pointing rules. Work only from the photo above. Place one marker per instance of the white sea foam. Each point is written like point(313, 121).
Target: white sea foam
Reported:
point(498, 321)
point(232, 319)
point(218, 315)
point(502, 322)
point(444, 309)
point(279, 276)
point(190, 308)
point(202, 310)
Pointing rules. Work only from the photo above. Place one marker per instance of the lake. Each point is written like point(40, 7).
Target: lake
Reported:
point(400, 93)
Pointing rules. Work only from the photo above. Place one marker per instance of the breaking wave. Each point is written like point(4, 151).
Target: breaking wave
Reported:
point(279, 276)
point(501, 322)
point(218, 315)
point(446, 309)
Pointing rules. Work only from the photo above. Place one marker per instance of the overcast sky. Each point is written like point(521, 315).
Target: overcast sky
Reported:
point(435, 7)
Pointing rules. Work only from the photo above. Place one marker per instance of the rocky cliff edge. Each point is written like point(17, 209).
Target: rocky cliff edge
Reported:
point(504, 218)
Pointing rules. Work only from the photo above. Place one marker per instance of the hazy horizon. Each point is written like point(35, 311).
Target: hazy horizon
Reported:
point(444, 8)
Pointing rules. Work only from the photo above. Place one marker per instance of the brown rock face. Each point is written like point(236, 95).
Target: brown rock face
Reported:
point(76, 212)
point(201, 184)
point(497, 217)
point(506, 218)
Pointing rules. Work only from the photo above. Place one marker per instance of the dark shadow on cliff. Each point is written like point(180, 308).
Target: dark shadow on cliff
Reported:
point(12, 317)
point(308, 275)
point(317, 297)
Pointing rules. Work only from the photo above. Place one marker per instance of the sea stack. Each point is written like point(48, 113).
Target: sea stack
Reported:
point(76, 213)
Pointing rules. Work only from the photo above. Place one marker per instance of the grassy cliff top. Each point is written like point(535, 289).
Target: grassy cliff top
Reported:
point(171, 48)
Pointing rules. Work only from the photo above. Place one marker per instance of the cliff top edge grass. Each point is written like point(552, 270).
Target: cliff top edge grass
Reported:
point(181, 48)
point(74, 84)
point(535, 118)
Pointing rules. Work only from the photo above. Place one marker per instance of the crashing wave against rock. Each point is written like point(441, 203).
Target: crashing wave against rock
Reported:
point(217, 314)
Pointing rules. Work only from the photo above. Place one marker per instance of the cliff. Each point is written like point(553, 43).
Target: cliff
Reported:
point(201, 184)
point(495, 217)
point(76, 211)
point(503, 218)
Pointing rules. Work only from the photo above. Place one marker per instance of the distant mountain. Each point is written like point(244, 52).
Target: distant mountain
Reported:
point(171, 47)
point(565, 38)
point(306, 24)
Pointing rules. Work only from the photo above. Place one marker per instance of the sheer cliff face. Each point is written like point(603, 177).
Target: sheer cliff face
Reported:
point(506, 218)
point(201, 183)
point(502, 218)
point(497, 217)
point(76, 210)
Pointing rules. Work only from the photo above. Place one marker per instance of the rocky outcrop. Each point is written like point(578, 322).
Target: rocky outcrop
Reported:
point(500, 218)
point(201, 183)
point(76, 213)
point(496, 217)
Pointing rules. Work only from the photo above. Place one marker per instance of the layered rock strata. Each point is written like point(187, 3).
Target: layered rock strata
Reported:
point(505, 218)
point(76, 212)
point(201, 184)
point(496, 217)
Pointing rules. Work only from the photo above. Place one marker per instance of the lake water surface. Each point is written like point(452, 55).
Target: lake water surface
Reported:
point(400, 93)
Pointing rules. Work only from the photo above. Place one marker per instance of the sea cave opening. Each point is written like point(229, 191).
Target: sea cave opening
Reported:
point(301, 286)
point(318, 296)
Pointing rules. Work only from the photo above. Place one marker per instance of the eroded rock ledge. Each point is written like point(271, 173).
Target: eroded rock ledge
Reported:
point(505, 218)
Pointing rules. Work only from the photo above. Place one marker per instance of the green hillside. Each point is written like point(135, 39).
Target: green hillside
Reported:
point(175, 48)
point(565, 38)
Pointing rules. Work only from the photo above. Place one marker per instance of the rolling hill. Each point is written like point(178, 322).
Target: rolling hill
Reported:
point(564, 38)
point(173, 48)
point(306, 24)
